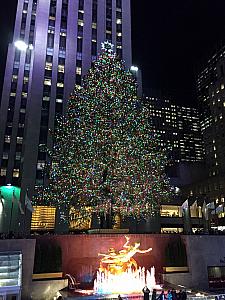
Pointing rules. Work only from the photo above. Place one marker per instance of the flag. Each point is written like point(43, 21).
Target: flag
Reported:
point(185, 205)
point(13, 198)
point(28, 204)
point(194, 209)
point(20, 207)
point(211, 205)
point(219, 209)
point(205, 210)
point(2, 200)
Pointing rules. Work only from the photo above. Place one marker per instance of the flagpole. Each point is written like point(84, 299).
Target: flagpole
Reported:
point(11, 212)
point(24, 219)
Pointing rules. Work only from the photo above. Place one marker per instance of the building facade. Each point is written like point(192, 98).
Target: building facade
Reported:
point(211, 97)
point(178, 129)
point(58, 40)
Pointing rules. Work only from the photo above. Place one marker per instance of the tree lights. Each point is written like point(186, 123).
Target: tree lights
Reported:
point(105, 155)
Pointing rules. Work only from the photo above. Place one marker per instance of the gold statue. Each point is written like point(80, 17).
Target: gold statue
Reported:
point(118, 262)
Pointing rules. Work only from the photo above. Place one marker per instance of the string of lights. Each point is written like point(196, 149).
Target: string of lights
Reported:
point(105, 155)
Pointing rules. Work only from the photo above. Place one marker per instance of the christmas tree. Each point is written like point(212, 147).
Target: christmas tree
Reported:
point(105, 156)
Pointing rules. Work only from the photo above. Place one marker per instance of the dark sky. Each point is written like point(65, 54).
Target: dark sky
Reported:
point(170, 39)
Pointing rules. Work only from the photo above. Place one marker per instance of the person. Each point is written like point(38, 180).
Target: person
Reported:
point(169, 295)
point(174, 294)
point(161, 296)
point(146, 292)
point(179, 295)
point(184, 295)
point(154, 294)
point(120, 298)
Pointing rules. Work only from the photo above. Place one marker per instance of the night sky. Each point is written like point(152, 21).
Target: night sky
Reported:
point(171, 39)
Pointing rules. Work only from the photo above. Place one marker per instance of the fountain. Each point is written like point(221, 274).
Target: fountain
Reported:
point(119, 273)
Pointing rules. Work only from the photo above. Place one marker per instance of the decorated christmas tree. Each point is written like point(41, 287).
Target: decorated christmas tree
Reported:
point(105, 157)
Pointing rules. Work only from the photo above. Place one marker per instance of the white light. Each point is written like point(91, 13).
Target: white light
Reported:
point(21, 45)
point(133, 68)
point(31, 47)
point(177, 190)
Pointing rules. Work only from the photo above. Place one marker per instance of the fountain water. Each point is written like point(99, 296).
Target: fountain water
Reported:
point(128, 282)
point(119, 273)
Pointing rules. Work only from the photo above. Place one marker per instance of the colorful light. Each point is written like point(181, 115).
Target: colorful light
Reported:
point(105, 155)
point(119, 273)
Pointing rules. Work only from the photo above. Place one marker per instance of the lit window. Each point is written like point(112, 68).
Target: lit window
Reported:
point(118, 21)
point(60, 84)
point(16, 172)
point(78, 70)
point(48, 66)
point(46, 98)
point(23, 110)
point(119, 34)
point(47, 81)
point(94, 25)
point(61, 68)
point(222, 86)
point(12, 94)
point(24, 95)
point(25, 79)
point(40, 165)
point(14, 78)
point(7, 138)
point(19, 140)
point(3, 172)
point(59, 100)
point(80, 22)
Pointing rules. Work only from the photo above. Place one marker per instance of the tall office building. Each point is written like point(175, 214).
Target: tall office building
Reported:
point(211, 96)
point(53, 46)
point(178, 129)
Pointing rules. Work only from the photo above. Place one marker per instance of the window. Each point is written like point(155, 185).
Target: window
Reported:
point(78, 70)
point(80, 22)
point(16, 172)
point(48, 66)
point(61, 68)
point(50, 42)
point(60, 84)
point(47, 81)
point(7, 139)
point(3, 172)
point(19, 140)
point(79, 45)
point(18, 155)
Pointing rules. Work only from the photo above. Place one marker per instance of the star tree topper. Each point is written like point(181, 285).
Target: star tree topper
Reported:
point(107, 46)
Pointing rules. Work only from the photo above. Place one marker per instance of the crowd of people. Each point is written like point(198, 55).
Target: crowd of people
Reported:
point(164, 295)
point(170, 295)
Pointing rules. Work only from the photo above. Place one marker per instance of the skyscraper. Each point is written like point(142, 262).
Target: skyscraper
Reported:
point(53, 46)
point(178, 129)
point(211, 96)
